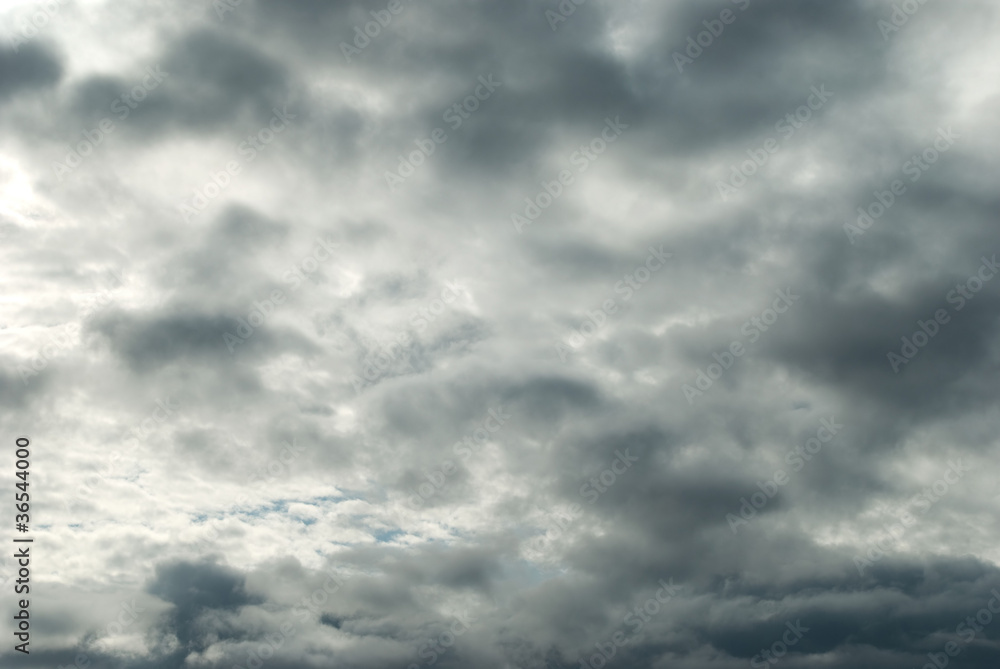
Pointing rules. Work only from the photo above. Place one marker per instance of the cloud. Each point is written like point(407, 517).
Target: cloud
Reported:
point(31, 66)
point(405, 429)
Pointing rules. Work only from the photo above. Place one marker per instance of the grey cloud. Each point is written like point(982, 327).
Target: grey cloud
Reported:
point(282, 491)
point(31, 66)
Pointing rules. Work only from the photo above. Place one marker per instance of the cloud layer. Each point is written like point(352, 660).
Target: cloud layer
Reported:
point(503, 334)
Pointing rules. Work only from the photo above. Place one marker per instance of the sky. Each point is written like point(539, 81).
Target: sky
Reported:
point(507, 334)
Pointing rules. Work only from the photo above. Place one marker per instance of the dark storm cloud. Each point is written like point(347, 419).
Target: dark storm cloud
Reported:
point(30, 67)
point(226, 260)
point(15, 392)
point(214, 78)
point(147, 342)
point(201, 82)
point(849, 343)
point(194, 587)
point(573, 83)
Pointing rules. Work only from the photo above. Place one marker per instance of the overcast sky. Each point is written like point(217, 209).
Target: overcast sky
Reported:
point(502, 333)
